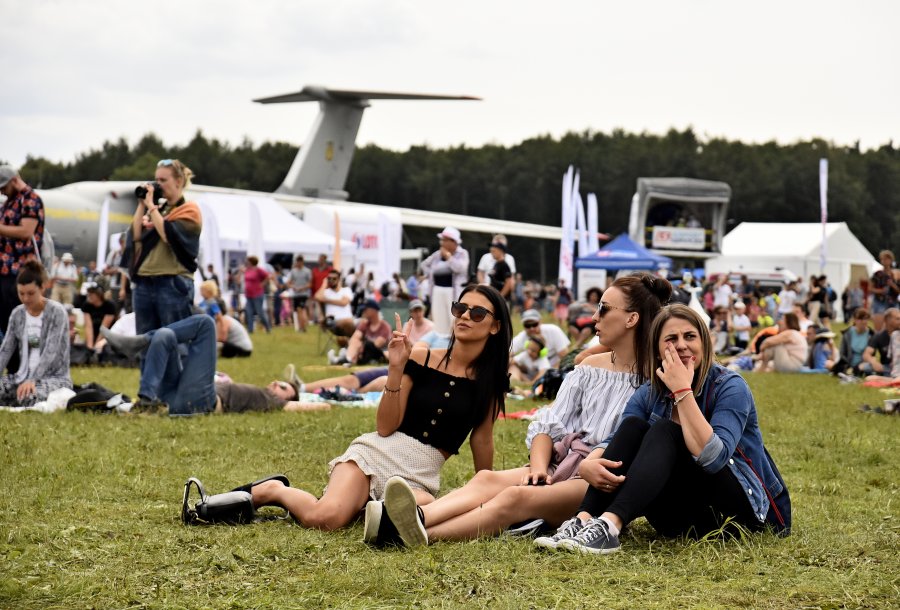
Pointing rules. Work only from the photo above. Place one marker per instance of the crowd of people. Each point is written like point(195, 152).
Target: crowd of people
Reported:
point(648, 415)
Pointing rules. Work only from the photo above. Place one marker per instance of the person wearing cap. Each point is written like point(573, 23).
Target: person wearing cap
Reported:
point(162, 249)
point(822, 352)
point(740, 325)
point(556, 341)
point(501, 276)
point(21, 229)
point(487, 261)
point(64, 276)
point(370, 338)
point(421, 325)
point(447, 270)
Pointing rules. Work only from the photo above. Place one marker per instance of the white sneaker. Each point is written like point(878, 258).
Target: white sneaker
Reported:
point(332, 357)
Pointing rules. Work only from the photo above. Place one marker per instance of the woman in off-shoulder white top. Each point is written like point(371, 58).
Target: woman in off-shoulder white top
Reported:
point(586, 410)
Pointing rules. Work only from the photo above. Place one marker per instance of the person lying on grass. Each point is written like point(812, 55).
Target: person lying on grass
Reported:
point(585, 411)
point(431, 402)
point(688, 454)
point(38, 332)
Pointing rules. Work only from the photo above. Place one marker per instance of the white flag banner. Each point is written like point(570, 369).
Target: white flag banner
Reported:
point(566, 244)
point(580, 224)
point(823, 199)
point(592, 224)
point(102, 234)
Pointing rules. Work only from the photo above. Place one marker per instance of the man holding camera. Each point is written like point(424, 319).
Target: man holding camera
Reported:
point(21, 228)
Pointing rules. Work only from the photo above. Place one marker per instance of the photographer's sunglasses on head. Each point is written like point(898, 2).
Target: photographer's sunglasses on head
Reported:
point(476, 313)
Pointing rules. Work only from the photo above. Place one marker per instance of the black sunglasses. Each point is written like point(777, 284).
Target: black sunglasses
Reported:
point(476, 314)
point(531, 324)
point(604, 309)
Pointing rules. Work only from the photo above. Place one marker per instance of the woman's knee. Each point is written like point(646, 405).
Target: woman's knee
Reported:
point(326, 518)
point(664, 428)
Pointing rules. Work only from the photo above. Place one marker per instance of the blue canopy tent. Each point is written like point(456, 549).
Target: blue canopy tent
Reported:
point(622, 253)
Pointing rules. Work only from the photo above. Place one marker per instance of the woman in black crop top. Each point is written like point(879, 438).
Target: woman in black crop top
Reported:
point(432, 400)
point(585, 412)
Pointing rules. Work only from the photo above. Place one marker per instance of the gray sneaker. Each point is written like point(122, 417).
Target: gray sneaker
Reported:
point(400, 502)
point(594, 537)
point(566, 530)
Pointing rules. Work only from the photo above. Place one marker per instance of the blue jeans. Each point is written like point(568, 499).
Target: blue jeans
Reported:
point(187, 386)
point(256, 305)
point(160, 300)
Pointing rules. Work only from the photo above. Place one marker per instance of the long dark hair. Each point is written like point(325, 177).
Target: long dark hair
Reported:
point(490, 368)
point(645, 295)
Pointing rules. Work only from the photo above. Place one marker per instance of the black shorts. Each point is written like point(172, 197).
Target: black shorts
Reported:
point(300, 302)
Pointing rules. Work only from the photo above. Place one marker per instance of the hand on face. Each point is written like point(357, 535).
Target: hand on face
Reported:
point(673, 372)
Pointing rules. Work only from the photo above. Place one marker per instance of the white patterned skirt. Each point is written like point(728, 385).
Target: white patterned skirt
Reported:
point(381, 457)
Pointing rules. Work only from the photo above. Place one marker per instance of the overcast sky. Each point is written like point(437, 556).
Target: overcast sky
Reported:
point(78, 72)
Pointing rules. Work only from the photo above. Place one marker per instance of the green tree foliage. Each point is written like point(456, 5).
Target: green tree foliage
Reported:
point(770, 182)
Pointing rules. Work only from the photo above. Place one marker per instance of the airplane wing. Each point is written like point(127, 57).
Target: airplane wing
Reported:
point(323, 94)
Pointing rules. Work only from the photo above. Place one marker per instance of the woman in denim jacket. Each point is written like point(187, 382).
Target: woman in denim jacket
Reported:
point(688, 454)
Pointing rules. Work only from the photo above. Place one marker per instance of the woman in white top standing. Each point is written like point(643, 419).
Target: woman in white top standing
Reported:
point(586, 409)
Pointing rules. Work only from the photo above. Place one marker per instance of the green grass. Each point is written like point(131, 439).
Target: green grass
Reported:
point(89, 515)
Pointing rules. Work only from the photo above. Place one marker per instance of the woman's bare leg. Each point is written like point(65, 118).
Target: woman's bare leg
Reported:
point(347, 493)
point(351, 382)
point(552, 503)
point(481, 488)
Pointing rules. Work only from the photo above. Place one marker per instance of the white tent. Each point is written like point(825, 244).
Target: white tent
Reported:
point(758, 246)
point(258, 225)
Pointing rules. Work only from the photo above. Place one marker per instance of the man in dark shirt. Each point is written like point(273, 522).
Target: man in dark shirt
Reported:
point(99, 312)
point(880, 344)
point(501, 275)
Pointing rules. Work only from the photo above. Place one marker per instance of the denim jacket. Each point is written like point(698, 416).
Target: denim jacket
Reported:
point(736, 442)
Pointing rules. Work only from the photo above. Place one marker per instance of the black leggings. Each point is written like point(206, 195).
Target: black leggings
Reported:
point(664, 484)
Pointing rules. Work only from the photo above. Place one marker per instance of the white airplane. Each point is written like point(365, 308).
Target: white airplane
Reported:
point(317, 175)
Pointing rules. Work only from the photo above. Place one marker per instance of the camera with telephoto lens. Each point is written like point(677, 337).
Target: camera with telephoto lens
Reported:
point(141, 191)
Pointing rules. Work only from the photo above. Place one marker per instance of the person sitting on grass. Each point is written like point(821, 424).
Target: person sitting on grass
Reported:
point(369, 340)
point(38, 331)
point(688, 453)
point(786, 351)
point(432, 401)
point(587, 407)
point(581, 320)
point(532, 363)
point(230, 332)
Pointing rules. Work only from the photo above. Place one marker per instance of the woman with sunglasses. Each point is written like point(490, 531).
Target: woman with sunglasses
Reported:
point(586, 409)
point(162, 248)
point(688, 454)
point(432, 401)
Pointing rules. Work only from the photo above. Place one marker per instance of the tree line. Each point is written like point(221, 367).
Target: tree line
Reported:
point(770, 182)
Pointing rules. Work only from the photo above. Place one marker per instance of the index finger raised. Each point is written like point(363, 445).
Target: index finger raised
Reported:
point(397, 322)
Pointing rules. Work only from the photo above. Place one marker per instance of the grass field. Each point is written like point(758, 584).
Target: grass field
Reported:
point(89, 515)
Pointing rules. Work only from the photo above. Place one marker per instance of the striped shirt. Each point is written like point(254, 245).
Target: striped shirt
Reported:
point(590, 401)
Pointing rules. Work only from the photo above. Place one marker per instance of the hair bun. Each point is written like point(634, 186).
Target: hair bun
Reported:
point(660, 287)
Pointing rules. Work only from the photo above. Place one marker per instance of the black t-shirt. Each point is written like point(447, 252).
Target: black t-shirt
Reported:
point(499, 274)
point(98, 312)
point(881, 342)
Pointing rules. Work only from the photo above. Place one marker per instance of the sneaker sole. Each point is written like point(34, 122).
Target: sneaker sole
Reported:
point(570, 545)
point(372, 522)
point(528, 529)
point(400, 502)
point(546, 543)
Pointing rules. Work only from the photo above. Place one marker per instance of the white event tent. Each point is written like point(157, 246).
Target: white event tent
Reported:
point(260, 226)
point(759, 246)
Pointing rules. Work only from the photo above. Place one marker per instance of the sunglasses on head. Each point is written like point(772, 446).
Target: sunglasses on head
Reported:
point(604, 308)
point(166, 163)
point(476, 314)
point(531, 324)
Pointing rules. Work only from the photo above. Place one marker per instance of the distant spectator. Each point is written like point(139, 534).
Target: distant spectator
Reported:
point(557, 342)
point(853, 298)
point(335, 299)
point(369, 341)
point(447, 269)
point(787, 351)
point(722, 292)
point(803, 320)
point(720, 329)
point(786, 299)
point(255, 278)
point(581, 318)
point(488, 260)
point(877, 357)
point(561, 302)
point(740, 325)
point(501, 276)
point(232, 335)
point(854, 341)
point(64, 278)
point(822, 352)
point(99, 312)
point(319, 274)
point(531, 363)
point(884, 288)
point(421, 325)
point(300, 283)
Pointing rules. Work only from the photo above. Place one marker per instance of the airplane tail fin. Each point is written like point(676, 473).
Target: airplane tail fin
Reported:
point(321, 166)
